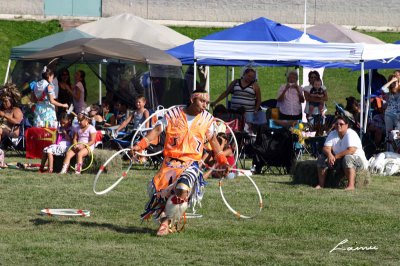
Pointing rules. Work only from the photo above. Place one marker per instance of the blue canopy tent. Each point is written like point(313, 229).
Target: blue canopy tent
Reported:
point(260, 29)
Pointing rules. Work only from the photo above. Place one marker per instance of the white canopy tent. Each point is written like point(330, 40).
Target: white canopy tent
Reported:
point(295, 52)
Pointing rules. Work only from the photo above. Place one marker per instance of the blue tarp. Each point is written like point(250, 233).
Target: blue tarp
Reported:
point(261, 29)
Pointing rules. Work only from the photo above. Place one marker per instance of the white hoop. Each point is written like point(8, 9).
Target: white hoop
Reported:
point(236, 213)
point(65, 212)
point(142, 128)
point(101, 169)
point(190, 215)
point(236, 151)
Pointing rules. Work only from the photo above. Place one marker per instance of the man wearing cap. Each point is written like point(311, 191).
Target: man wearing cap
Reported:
point(179, 182)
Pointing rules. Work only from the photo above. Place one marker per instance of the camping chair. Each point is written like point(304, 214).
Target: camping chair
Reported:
point(236, 121)
point(273, 150)
point(16, 144)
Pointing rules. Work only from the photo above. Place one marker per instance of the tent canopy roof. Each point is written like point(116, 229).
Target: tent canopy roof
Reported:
point(130, 27)
point(292, 51)
point(260, 29)
point(46, 42)
point(335, 33)
point(101, 50)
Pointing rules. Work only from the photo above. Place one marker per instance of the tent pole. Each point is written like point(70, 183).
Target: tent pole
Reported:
point(368, 100)
point(207, 86)
point(194, 73)
point(7, 71)
point(362, 98)
point(227, 84)
point(100, 86)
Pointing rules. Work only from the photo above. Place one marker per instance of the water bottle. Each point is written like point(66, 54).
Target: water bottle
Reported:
point(75, 122)
point(93, 122)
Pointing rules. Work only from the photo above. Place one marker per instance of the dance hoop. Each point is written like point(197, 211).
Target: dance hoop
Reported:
point(90, 154)
point(104, 168)
point(142, 128)
point(236, 213)
point(65, 212)
point(233, 139)
point(190, 215)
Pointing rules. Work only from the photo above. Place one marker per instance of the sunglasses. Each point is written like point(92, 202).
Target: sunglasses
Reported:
point(340, 124)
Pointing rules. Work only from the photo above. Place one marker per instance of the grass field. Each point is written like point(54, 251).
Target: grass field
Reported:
point(298, 225)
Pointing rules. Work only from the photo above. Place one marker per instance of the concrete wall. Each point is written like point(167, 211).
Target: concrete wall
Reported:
point(384, 13)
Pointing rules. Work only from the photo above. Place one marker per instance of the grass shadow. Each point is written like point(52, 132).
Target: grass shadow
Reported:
point(112, 227)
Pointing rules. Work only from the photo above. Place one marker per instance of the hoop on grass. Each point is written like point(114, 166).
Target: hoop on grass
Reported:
point(90, 154)
point(237, 213)
point(65, 212)
point(232, 140)
point(190, 215)
point(114, 171)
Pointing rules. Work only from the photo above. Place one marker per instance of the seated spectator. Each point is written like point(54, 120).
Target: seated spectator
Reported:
point(108, 116)
point(122, 109)
point(85, 134)
point(342, 151)
point(290, 97)
point(10, 114)
point(137, 117)
point(96, 118)
point(353, 107)
point(208, 156)
point(63, 141)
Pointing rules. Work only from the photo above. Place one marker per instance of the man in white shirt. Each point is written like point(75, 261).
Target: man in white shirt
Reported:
point(342, 149)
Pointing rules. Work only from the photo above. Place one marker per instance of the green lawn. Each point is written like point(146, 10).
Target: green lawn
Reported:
point(298, 225)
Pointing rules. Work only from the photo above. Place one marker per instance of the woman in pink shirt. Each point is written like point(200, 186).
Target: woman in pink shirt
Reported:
point(290, 97)
point(78, 93)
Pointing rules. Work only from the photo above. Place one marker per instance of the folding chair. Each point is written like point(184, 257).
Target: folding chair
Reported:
point(16, 144)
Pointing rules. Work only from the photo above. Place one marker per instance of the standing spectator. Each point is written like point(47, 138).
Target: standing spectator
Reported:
point(392, 109)
point(45, 112)
point(312, 76)
point(245, 93)
point(78, 93)
point(290, 97)
point(64, 84)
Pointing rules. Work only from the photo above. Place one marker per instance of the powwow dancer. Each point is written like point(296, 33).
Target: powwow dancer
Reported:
point(179, 182)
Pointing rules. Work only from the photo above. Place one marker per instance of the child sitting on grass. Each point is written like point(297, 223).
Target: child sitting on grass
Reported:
point(64, 138)
point(84, 137)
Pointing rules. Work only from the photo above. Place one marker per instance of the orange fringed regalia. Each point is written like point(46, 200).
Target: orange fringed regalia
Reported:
point(183, 143)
